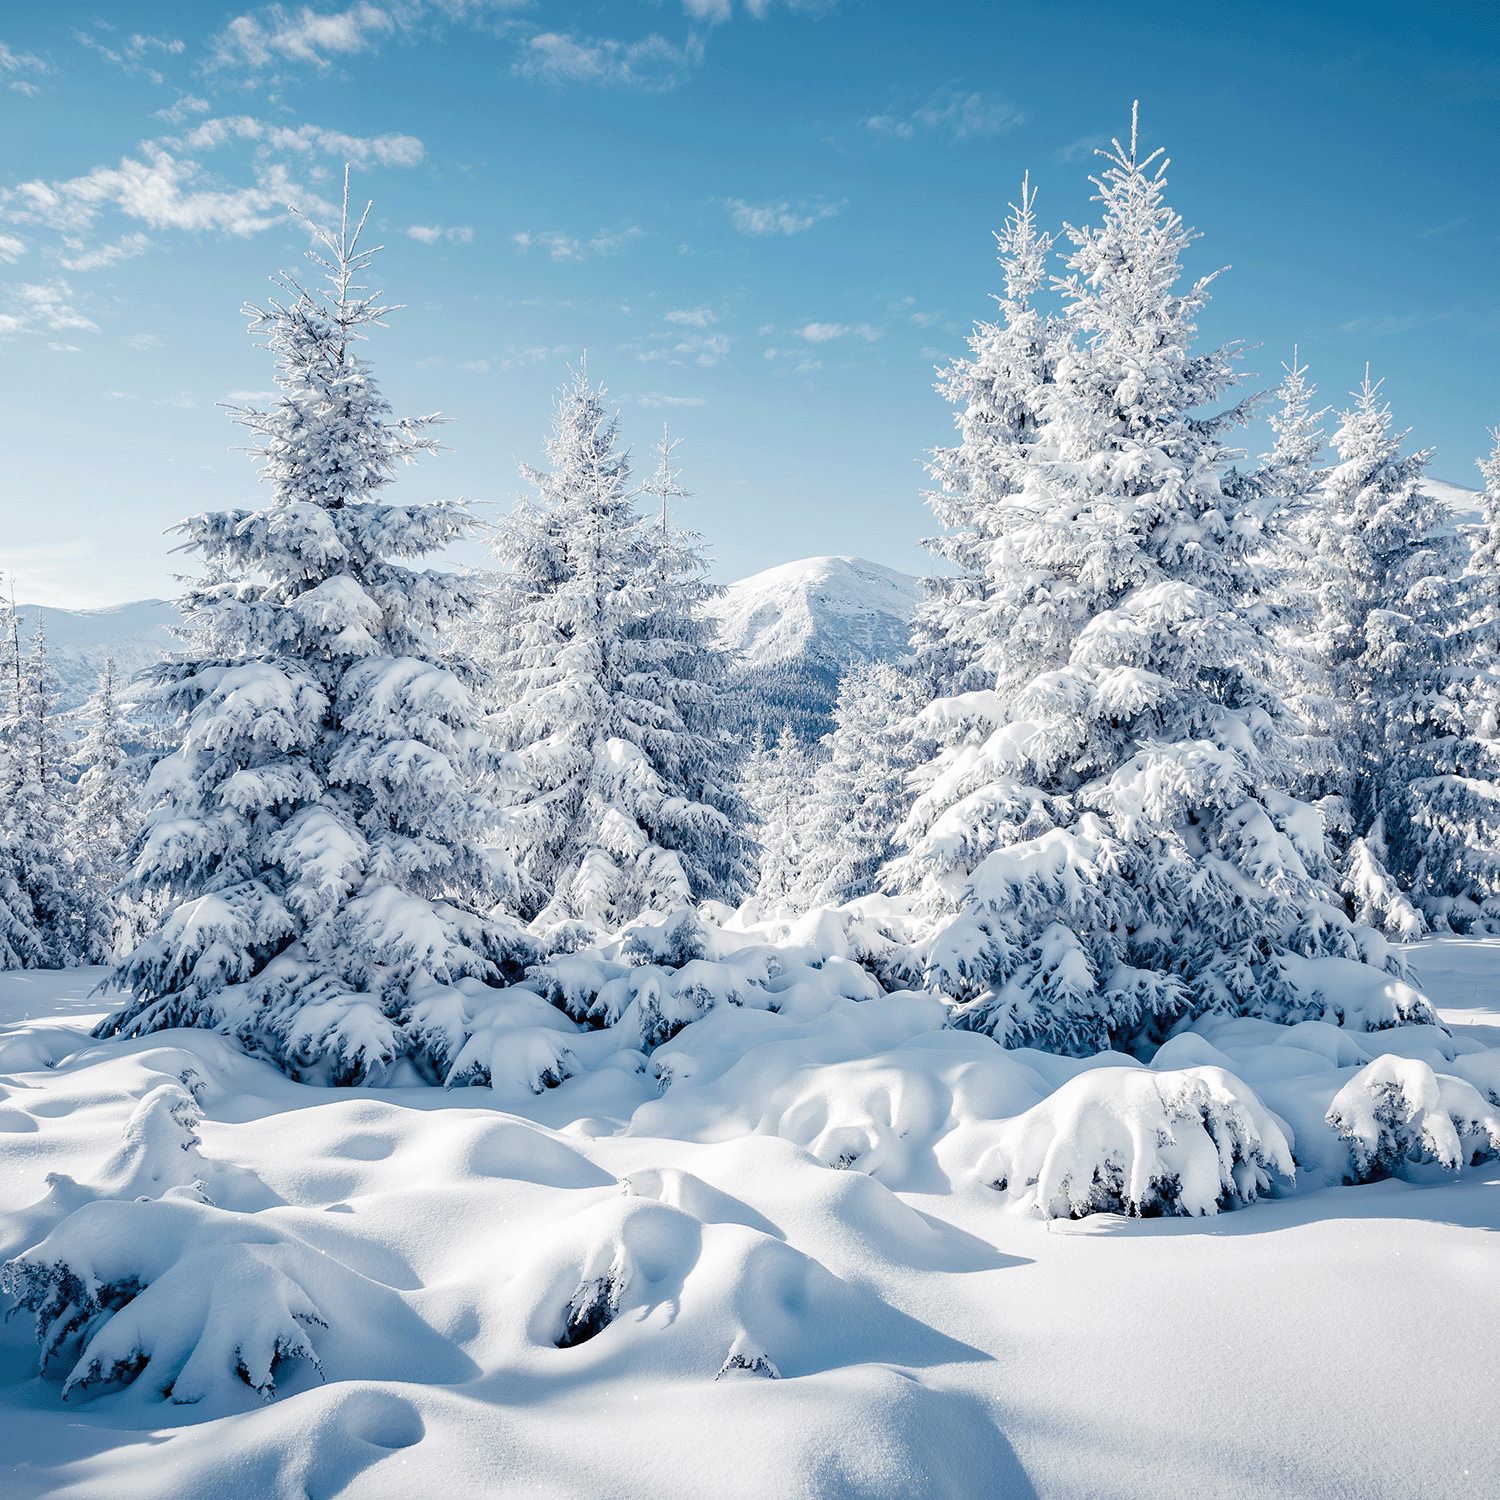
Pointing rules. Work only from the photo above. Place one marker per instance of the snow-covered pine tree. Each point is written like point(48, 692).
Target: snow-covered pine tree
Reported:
point(1287, 491)
point(859, 794)
point(998, 393)
point(1386, 550)
point(784, 787)
point(105, 816)
point(1443, 735)
point(50, 908)
point(318, 831)
point(1118, 850)
point(608, 692)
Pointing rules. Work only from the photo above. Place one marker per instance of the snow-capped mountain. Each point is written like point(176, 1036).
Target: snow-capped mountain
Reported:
point(821, 611)
point(798, 628)
point(79, 640)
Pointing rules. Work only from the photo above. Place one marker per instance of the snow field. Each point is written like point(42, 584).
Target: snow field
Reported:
point(739, 1315)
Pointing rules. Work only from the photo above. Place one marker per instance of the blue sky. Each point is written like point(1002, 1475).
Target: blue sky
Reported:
point(764, 223)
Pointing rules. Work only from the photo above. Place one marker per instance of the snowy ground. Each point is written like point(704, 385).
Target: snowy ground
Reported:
point(933, 1336)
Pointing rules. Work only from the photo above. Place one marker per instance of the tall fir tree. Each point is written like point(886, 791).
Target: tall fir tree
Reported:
point(1443, 735)
point(318, 831)
point(784, 786)
point(1384, 548)
point(999, 393)
point(104, 811)
point(607, 682)
point(51, 910)
point(1126, 853)
point(859, 794)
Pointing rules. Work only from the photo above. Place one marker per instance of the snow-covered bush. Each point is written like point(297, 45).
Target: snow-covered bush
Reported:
point(319, 831)
point(1131, 1140)
point(189, 1297)
point(1397, 1110)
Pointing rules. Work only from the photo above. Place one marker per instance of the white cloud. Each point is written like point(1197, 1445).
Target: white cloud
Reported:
point(563, 247)
point(706, 350)
point(778, 218)
point(106, 255)
point(460, 234)
point(253, 398)
point(693, 317)
point(143, 342)
point(657, 398)
point(181, 399)
point(255, 41)
point(429, 234)
point(63, 348)
point(959, 114)
point(29, 308)
point(11, 249)
point(926, 319)
point(476, 366)
point(392, 150)
point(653, 65)
point(821, 333)
point(21, 62)
point(185, 106)
point(715, 12)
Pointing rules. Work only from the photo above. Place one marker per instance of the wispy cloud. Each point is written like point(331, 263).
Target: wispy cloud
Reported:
point(959, 114)
point(273, 34)
point(564, 247)
point(1081, 149)
point(691, 317)
point(142, 342)
point(660, 398)
point(1402, 322)
point(430, 234)
point(1447, 228)
point(707, 349)
point(653, 65)
point(32, 307)
point(475, 366)
point(126, 248)
point(130, 53)
point(822, 333)
point(11, 249)
point(779, 218)
point(185, 107)
point(13, 64)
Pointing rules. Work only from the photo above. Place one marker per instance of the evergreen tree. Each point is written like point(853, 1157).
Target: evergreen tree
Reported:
point(1443, 735)
point(49, 904)
point(1385, 550)
point(784, 786)
point(1118, 850)
point(318, 832)
point(859, 795)
point(105, 815)
point(608, 691)
point(999, 393)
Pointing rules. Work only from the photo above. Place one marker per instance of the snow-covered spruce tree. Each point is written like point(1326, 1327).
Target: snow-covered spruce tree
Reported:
point(1288, 490)
point(1118, 851)
point(317, 830)
point(608, 693)
point(1386, 554)
point(1442, 735)
point(105, 816)
point(998, 394)
point(783, 789)
point(859, 794)
point(51, 914)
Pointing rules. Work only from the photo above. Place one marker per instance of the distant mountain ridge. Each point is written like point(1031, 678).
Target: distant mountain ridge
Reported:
point(80, 640)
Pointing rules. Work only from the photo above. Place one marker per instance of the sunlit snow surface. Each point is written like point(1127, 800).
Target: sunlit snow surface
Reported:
point(894, 1328)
